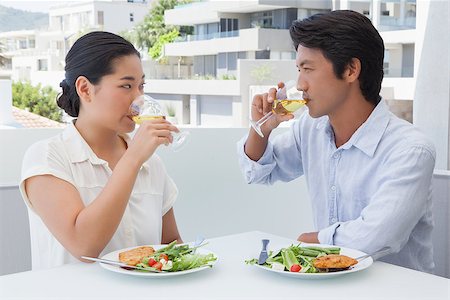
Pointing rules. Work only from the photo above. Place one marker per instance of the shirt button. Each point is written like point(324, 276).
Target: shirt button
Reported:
point(333, 188)
point(336, 155)
point(333, 220)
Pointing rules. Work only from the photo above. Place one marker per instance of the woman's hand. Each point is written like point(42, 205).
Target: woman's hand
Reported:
point(150, 135)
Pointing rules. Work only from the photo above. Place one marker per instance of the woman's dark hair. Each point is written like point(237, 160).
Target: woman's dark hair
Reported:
point(342, 35)
point(92, 56)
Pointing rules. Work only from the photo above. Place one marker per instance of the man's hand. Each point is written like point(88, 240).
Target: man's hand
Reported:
point(262, 105)
point(309, 237)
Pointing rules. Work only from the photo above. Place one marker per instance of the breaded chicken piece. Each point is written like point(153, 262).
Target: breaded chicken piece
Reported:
point(334, 261)
point(133, 257)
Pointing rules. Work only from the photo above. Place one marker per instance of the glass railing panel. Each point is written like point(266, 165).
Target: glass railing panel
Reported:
point(209, 36)
point(388, 23)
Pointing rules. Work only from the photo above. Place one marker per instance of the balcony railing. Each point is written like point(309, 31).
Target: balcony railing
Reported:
point(394, 23)
point(209, 36)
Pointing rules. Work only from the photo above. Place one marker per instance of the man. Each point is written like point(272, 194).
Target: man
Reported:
point(368, 172)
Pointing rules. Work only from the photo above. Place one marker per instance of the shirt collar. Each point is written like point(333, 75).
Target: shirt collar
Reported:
point(368, 136)
point(79, 150)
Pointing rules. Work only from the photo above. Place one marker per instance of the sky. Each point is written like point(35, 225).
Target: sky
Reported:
point(34, 6)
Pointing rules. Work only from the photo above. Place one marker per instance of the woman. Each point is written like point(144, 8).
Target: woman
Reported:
point(92, 189)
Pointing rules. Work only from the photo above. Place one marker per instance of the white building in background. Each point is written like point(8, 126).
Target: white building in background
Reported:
point(246, 42)
point(105, 15)
point(249, 41)
point(38, 56)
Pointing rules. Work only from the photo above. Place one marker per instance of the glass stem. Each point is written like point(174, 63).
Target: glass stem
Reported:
point(264, 119)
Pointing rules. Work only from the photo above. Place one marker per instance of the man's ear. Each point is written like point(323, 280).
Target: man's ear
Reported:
point(84, 88)
point(353, 70)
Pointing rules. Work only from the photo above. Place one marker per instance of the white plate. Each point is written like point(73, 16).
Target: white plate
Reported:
point(344, 251)
point(115, 256)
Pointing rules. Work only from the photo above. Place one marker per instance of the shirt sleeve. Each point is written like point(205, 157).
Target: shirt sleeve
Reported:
point(394, 210)
point(281, 160)
point(42, 159)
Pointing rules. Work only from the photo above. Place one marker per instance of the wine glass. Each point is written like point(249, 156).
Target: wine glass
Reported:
point(145, 108)
point(288, 100)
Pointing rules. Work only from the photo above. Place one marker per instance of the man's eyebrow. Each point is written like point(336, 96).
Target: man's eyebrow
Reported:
point(131, 78)
point(304, 62)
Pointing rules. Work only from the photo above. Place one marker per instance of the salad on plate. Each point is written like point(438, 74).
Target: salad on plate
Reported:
point(161, 260)
point(296, 258)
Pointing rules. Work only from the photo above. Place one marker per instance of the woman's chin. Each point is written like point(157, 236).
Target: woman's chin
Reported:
point(127, 128)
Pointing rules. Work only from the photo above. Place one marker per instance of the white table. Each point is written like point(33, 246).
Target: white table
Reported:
point(229, 278)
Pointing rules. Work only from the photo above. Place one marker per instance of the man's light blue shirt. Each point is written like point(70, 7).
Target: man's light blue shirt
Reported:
point(373, 191)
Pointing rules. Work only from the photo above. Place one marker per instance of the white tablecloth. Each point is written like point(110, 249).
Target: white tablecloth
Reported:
point(230, 278)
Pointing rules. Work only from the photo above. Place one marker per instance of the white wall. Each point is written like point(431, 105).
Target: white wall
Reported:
point(432, 93)
point(250, 39)
point(15, 250)
point(216, 111)
point(193, 87)
point(213, 198)
point(398, 88)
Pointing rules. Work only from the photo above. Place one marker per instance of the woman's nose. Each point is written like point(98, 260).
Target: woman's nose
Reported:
point(137, 94)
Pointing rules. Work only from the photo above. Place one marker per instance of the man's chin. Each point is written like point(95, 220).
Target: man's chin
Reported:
point(314, 115)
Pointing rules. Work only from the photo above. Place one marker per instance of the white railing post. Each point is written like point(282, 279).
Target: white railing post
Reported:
point(6, 117)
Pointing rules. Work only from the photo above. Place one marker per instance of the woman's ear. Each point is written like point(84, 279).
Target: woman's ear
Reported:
point(353, 70)
point(84, 87)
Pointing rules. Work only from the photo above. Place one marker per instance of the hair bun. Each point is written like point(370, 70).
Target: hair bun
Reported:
point(63, 84)
point(65, 102)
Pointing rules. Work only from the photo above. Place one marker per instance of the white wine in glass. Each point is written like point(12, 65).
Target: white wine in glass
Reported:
point(145, 108)
point(139, 119)
point(289, 100)
point(286, 106)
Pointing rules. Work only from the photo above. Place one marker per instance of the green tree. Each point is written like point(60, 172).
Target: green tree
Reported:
point(153, 30)
point(155, 50)
point(36, 99)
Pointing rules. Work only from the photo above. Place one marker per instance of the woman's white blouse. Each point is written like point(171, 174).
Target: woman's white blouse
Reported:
point(67, 156)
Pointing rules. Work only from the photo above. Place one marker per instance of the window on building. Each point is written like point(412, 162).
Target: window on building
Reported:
point(32, 43)
point(262, 19)
point(131, 17)
point(42, 65)
point(228, 26)
point(264, 54)
point(22, 44)
point(85, 19)
point(232, 60)
point(212, 28)
point(222, 60)
point(223, 25)
point(100, 18)
point(386, 63)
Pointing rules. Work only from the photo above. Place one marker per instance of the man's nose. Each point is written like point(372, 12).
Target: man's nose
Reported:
point(301, 84)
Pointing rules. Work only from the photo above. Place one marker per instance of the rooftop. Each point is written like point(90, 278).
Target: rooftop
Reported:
point(31, 120)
